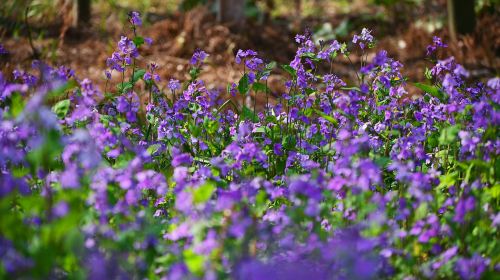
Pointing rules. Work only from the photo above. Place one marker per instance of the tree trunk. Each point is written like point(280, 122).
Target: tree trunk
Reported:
point(83, 12)
point(461, 17)
point(231, 11)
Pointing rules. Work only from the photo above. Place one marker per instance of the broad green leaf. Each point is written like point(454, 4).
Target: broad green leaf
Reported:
point(138, 74)
point(495, 191)
point(17, 104)
point(123, 160)
point(259, 87)
point(194, 262)
point(248, 114)
point(262, 129)
point(124, 87)
point(61, 108)
point(447, 180)
point(432, 90)
point(290, 70)
point(326, 117)
point(383, 161)
point(194, 73)
point(449, 135)
point(153, 149)
point(204, 192)
point(267, 70)
point(243, 84)
point(310, 55)
point(289, 142)
point(138, 41)
point(60, 91)
point(421, 211)
point(47, 154)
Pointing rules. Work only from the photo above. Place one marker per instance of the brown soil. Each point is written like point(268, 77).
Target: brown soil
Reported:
point(177, 36)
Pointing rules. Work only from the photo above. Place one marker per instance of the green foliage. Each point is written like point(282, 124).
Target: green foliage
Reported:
point(61, 108)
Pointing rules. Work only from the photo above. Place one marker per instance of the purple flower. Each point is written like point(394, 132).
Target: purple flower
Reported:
point(241, 55)
point(135, 18)
point(364, 38)
point(464, 206)
point(149, 41)
point(129, 105)
point(174, 84)
point(436, 44)
point(61, 209)
point(471, 268)
point(198, 57)
point(3, 51)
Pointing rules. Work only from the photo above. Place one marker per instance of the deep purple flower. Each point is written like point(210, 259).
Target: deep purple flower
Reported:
point(437, 43)
point(198, 57)
point(135, 18)
point(3, 51)
point(471, 268)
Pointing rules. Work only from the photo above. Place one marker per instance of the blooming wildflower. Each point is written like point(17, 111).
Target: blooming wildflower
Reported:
point(174, 84)
point(436, 44)
point(471, 268)
point(241, 54)
point(198, 57)
point(149, 41)
point(363, 39)
point(3, 51)
point(135, 18)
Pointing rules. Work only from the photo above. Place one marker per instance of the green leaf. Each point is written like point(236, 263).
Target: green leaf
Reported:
point(204, 192)
point(421, 211)
point(194, 262)
point(138, 74)
point(124, 87)
point(227, 103)
point(211, 126)
point(17, 104)
point(495, 191)
point(432, 90)
point(310, 55)
point(248, 114)
point(271, 65)
point(290, 70)
point(326, 117)
point(60, 91)
point(259, 87)
point(449, 135)
point(383, 162)
point(194, 73)
point(138, 41)
point(47, 154)
point(447, 180)
point(61, 108)
point(428, 74)
point(153, 149)
point(262, 129)
point(351, 88)
point(123, 160)
point(289, 142)
point(267, 70)
point(243, 84)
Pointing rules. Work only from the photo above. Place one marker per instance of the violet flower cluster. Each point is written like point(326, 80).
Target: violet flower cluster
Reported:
point(331, 180)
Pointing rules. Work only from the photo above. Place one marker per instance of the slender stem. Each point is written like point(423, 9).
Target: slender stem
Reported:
point(267, 100)
point(354, 68)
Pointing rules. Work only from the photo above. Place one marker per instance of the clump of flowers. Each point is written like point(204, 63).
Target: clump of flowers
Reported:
point(335, 179)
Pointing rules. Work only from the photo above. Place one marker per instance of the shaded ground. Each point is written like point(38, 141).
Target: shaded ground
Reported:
point(177, 36)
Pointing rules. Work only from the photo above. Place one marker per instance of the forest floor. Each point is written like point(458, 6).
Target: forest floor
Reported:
point(177, 36)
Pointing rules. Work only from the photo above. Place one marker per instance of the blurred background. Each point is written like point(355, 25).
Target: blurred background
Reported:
point(81, 34)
